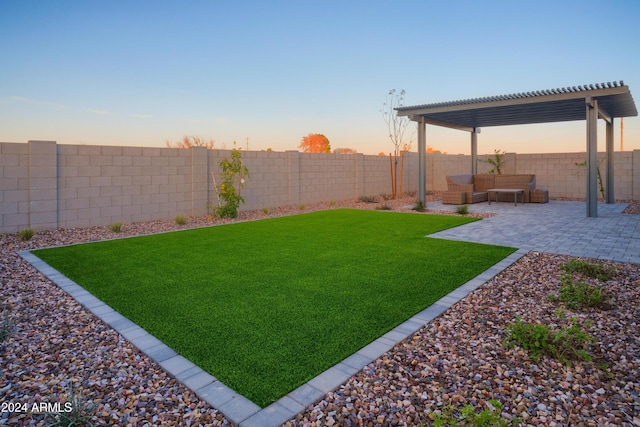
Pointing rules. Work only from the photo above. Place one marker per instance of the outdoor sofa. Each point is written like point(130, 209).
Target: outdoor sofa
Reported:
point(473, 188)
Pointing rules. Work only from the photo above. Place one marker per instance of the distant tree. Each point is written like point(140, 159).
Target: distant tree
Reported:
point(315, 143)
point(344, 151)
point(192, 141)
point(382, 153)
point(432, 150)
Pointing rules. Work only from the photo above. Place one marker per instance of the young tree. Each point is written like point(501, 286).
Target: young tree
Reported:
point(192, 141)
point(315, 143)
point(397, 127)
point(497, 161)
point(233, 173)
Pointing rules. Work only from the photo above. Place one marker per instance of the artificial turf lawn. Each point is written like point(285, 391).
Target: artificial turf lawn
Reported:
point(264, 306)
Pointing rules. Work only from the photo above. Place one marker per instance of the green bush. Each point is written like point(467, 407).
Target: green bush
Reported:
point(538, 339)
point(233, 174)
point(419, 206)
point(116, 227)
point(469, 417)
point(27, 234)
point(5, 329)
point(180, 220)
point(590, 269)
point(462, 209)
point(368, 199)
point(580, 294)
point(79, 415)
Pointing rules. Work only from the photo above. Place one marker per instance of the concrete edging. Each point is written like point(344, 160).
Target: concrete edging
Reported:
point(237, 408)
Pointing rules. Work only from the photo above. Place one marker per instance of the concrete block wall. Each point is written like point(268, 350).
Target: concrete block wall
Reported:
point(558, 172)
point(100, 185)
point(14, 186)
point(44, 185)
point(377, 175)
point(272, 182)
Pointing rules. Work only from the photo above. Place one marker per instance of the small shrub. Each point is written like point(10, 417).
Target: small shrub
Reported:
point(116, 227)
point(212, 211)
point(80, 412)
point(368, 199)
point(302, 206)
point(181, 220)
point(27, 234)
point(590, 269)
point(233, 174)
point(333, 203)
point(5, 329)
point(579, 294)
point(469, 417)
point(386, 196)
point(265, 211)
point(538, 339)
point(462, 209)
point(383, 207)
point(419, 206)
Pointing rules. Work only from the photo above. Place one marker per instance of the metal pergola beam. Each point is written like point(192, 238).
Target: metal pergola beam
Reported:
point(605, 101)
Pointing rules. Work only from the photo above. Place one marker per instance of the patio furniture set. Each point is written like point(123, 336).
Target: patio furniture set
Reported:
point(475, 188)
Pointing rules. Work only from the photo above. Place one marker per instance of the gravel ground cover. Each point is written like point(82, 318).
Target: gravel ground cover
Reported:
point(53, 343)
point(460, 359)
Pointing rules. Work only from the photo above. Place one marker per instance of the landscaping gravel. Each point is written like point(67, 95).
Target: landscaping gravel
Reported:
point(458, 359)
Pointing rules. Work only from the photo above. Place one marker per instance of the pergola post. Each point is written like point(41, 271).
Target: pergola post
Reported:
point(610, 168)
point(474, 150)
point(422, 162)
point(592, 157)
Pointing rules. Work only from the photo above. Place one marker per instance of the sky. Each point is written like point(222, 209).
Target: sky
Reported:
point(267, 73)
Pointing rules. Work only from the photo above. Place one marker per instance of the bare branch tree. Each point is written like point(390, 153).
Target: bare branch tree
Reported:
point(192, 141)
point(397, 127)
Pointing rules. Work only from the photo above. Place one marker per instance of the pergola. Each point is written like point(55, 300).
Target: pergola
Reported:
point(590, 102)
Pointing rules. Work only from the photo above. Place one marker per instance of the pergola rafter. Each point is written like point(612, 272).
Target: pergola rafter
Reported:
point(589, 102)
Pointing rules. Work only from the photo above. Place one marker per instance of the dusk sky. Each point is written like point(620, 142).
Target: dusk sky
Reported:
point(139, 73)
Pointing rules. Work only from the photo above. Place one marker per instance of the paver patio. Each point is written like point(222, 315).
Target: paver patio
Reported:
point(559, 227)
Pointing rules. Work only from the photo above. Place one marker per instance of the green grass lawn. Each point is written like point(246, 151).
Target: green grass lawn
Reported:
point(266, 305)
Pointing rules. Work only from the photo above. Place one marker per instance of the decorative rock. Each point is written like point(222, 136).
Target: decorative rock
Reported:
point(457, 359)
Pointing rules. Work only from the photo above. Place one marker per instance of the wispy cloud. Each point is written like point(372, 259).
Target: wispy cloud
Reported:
point(98, 112)
point(26, 100)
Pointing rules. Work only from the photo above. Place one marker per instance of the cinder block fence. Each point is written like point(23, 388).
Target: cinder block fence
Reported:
point(45, 185)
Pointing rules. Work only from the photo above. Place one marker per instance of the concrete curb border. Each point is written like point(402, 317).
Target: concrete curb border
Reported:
point(237, 408)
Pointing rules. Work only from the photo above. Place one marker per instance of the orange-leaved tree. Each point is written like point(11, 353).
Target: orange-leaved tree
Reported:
point(192, 141)
point(315, 143)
